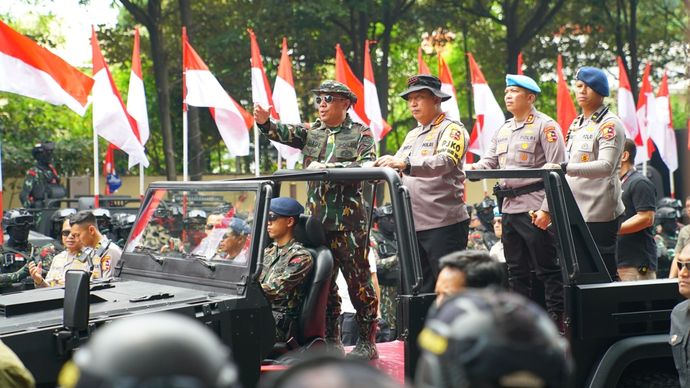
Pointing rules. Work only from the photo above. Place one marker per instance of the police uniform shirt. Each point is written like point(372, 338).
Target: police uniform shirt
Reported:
point(595, 146)
point(530, 144)
point(436, 179)
point(637, 249)
point(63, 262)
point(680, 331)
point(104, 264)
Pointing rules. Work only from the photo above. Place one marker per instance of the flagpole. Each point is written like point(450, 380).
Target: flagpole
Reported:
point(257, 169)
point(280, 160)
point(96, 174)
point(185, 152)
point(670, 179)
point(141, 181)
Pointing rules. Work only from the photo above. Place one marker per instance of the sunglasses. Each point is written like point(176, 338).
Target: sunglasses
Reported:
point(209, 226)
point(328, 98)
point(272, 217)
point(65, 233)
point(683, 264)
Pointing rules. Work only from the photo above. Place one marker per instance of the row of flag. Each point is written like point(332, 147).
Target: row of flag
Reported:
point(30, 70)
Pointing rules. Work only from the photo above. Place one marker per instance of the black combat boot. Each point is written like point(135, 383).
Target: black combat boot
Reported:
point(365, 349)
point(334, 342)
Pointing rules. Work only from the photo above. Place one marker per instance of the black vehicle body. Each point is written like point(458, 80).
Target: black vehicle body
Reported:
point(612, 326)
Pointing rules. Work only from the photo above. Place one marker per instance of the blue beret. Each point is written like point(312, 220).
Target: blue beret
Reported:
point(285, 206)
point(522, 81)
point(595, 79)
point(239, 226)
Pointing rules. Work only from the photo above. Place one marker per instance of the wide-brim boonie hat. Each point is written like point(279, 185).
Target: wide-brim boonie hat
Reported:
point(425, 81)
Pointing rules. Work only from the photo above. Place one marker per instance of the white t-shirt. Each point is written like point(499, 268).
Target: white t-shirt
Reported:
point(347, 306)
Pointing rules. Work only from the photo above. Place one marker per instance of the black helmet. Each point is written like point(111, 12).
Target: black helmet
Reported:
point(57, 219)
point(383, 211)
point(485, 205)
point(665, 214)
point(17, 217)
point(103, 219)
point(149, 351)
point(485, 212)
point(490, 338)
point(43, 152)
point(669, 202)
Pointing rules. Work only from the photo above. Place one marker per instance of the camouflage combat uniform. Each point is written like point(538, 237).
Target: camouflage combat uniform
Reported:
point(35, 189)
point(284, 271)
point(388, 273)
point(156, 237)
point(339, 207)
point(18, 271)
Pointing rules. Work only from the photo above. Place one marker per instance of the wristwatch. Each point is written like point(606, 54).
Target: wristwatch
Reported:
point(407, 168)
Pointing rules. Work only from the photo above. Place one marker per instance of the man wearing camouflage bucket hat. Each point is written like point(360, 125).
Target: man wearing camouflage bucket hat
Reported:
point(430, 161)
point(333, 141)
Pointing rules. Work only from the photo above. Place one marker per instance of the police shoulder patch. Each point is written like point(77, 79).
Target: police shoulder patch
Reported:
point(608, 130)
point(550, 133)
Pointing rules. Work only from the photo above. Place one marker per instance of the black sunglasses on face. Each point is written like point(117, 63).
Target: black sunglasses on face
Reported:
point(272, 216)
point(328, 98)
point(65, 233)
point(683, 264)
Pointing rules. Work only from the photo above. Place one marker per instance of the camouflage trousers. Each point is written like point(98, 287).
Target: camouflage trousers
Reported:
point(349, 253)
point(389, 305)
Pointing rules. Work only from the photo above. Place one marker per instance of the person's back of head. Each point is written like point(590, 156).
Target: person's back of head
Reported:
point(151, 350)
point(488, 338)
point(631, 149)
point(480, 269)
point(321, 370)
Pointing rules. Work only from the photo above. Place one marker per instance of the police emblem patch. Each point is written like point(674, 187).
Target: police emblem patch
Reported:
point(584, 158)
point(608, 131)
point(455, 135)
point(550, 133)
point(523, 157)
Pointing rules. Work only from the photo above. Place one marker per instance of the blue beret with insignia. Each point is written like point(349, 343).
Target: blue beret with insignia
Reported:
point(239, 226)
point(522, 81)
point(285, 206)
point(595, 79)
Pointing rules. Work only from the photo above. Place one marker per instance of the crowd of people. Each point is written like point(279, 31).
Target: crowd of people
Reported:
point(512, 254)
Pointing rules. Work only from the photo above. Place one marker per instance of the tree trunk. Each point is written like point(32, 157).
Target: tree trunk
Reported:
point(196, 152)
point(632, 43)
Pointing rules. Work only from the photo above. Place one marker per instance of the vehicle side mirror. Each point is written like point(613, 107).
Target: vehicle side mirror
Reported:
point(76, 305)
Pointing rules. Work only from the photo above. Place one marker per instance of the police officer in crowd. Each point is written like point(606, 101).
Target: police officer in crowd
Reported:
point(682, 240)
point(73, 257)
point(595, 145)
point(530, 139)
point(489, 338)
point(286, 265)
point(680, 319)
point(233, 245)
point(637, 256)
point(105, 254)
point(430, 160)
point(42, 181)
point(18, 252)
point(332, 141)
point(385, 243)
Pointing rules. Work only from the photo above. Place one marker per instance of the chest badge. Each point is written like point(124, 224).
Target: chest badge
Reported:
point(584, 158)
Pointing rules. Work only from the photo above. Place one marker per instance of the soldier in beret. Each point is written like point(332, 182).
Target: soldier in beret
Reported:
point(595, 145)
point(332, 141)
point(286, 265)
point(430, 161)
point(530, 139)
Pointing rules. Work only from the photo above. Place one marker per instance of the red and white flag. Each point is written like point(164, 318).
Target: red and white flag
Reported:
point(489, 114)
point(626, 105)
point(520, 64)
point(203, 89)
point(450, 106)
point(372, 108)
point(110, 118)
point(565, 108)
point(285, 103)
point(261, 94)
point(345, 75)
point(422, 68)
point(32, 71)
point(136, 96)
point(666, 140)
point(647, 118)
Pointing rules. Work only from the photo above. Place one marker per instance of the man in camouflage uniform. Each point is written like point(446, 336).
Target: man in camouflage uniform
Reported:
point(384, 242)
point(17, 252)
point(430, 161)
point(333, 141)
point(286, 266)
point(530, 139)
point(160, 233)
point(42, 181)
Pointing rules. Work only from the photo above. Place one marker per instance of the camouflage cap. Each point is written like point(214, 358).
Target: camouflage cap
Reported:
point(330, 86)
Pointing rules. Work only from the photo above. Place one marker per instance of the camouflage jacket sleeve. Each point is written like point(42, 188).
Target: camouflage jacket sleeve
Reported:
point(29, 181)
point(366, 150)
point(45, 255)
point(295, 272)
point(289, 134)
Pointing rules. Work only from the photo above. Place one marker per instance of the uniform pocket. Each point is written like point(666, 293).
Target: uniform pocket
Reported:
point(524, 153)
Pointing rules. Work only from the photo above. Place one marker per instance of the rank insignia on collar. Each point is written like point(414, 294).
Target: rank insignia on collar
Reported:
point(530, 119)
point(439, 119)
